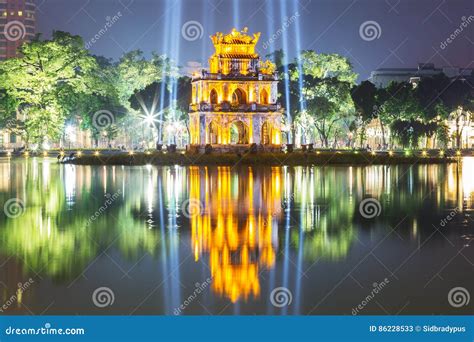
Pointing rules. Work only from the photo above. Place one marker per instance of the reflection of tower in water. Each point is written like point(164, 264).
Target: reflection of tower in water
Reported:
point(236, 227)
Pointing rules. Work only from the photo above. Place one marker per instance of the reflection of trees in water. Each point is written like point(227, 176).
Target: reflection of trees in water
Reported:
point(418, 194)
point(240, 228)
point(322, 208)
point(50, 239)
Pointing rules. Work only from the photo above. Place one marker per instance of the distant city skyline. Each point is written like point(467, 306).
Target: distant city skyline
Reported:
point(406, 33)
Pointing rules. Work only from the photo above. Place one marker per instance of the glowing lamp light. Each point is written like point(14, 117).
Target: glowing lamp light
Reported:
point(148, 152)
point(96, 153)
point(79, 153)
point(390, 153)
point(458, 153)
point(373, 153)
point(45, 154)
point(27, 154)
point(9, 154)
point(131, 153)
point(424, 153)
point(62, 153)
point(441, 153)
point(407, 153)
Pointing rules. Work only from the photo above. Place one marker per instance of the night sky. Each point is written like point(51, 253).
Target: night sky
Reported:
point(411, 31)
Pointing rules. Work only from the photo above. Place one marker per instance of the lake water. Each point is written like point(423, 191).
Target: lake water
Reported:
point(230, 241)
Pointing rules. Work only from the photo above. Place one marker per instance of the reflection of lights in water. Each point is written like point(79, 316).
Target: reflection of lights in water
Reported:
point(150, 190)
point(104, 181)
point(467, 178)
point(236, 248)
point(70, 183)
point(46, 173)
point(414, 228)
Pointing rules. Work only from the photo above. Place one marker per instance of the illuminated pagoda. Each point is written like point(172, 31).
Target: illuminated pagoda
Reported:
point(235, 102)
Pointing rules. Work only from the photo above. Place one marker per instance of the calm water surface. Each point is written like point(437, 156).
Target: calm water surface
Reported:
point(197, 240)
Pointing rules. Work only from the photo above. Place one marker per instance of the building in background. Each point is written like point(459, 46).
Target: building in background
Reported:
point(381, 78)
point(17, 25)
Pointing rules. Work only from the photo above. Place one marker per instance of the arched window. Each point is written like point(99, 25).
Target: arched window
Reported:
point(214, 98)
point(239, 133)
point(213, 133)
point(239, 96)
point(264, 97)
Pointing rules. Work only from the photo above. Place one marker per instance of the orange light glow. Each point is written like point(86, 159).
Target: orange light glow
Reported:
point(237, 248)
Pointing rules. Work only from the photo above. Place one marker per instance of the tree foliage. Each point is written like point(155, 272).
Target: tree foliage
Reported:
point(47, 80)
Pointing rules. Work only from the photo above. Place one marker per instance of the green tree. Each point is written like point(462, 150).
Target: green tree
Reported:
point(399, 106)
point(364, 97)
point(134, 73)
point(323, 85)
point(45, 80)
